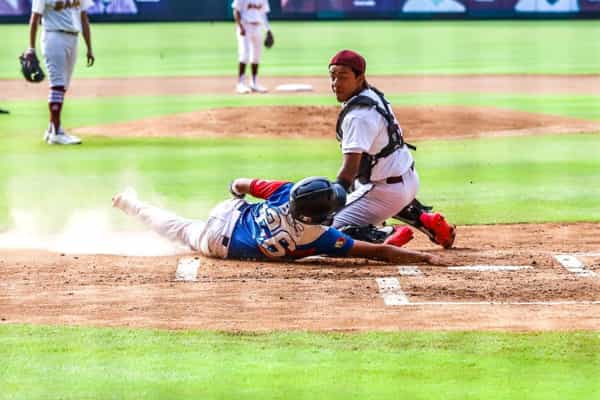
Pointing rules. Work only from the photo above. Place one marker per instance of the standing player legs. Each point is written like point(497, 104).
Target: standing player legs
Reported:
point(255, 37)
point(243, 50)
point(60, 51)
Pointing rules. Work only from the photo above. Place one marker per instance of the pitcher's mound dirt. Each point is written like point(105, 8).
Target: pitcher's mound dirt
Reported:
point(426, 122)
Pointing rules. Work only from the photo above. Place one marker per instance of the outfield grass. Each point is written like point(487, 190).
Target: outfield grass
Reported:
point(304, 48)
point(75, 363)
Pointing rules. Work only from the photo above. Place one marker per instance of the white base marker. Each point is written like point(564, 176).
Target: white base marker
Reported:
point(408, 270)
point(187, 269)
point(502, 303)
point(587, 254)
point(489, 268)
point(573, 264)
point(391, 292)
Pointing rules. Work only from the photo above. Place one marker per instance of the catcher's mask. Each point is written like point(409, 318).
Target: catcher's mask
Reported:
point(314, 200)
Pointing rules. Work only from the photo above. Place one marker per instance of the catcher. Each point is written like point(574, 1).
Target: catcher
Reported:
point(251, 18)
point(62, 20)
point(378, 165)
point(290, 223)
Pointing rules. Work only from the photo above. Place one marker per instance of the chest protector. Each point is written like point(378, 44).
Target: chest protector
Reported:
point(395, 139)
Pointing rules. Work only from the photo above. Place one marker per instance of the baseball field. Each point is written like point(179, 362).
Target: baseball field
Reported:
point(506, 119)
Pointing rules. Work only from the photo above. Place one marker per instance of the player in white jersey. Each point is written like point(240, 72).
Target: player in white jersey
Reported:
point(377, 162)
point(251, 19)
point(62, 21)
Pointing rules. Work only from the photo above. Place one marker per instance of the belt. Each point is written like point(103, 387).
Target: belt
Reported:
point(67, 32)
point(398, 179)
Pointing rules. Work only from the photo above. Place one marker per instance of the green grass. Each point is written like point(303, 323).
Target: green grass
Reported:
point(391, 47)
point(75, 363)
point(496, 180)
point(493, 180)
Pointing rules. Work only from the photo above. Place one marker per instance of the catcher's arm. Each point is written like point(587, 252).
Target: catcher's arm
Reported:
point(386, 252)
point(349, 170)
point(87, 37)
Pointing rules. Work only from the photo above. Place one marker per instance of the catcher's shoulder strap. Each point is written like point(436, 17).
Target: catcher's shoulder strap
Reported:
point(395, 141)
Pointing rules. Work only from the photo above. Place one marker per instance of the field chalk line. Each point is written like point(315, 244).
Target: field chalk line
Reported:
point(574, 265)
point(390, 290)
point(409, 270)
point(489, 268)
point(502, 303)
point(187, 269)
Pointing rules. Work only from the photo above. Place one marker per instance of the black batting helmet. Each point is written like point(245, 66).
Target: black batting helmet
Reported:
point(314, 200)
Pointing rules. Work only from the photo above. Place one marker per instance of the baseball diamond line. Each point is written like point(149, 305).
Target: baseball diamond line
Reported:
point(501, 303)
point(489, 268)
point(392, 293)
point(574, 265)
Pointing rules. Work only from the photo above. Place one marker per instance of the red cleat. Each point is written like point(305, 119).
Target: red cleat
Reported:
point(441, 232)
point(401, 236)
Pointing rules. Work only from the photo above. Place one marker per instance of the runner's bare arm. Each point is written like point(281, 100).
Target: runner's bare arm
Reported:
point(390, 253)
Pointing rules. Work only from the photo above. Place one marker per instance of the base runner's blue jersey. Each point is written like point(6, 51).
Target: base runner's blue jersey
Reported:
point(266, 230)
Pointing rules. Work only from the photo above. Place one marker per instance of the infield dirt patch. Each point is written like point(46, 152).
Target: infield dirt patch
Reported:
point(320, 294)
point(16, 89)
point(418, 123)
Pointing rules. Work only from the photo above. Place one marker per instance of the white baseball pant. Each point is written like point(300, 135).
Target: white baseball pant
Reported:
point(250, 45)
point(60, 53)
point(204, 237)
point(375, 202)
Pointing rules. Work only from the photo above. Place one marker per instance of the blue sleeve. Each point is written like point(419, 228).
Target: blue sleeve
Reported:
point(334, 243)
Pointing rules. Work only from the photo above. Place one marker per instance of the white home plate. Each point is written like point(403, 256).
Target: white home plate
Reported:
point(489, 268)
point(572, 264)
point(294, 87)
point(187, 269)
point(390, 290)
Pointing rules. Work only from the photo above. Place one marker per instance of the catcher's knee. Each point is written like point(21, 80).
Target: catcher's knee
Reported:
point(367, 233)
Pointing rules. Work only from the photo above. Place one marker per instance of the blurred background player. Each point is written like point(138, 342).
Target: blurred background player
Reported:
point(251, 20)
point(62, 22)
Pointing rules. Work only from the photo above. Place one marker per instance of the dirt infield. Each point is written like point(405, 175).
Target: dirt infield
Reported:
point(534, 290)
point(320, 294)
point(418, 123)
point(17, 89)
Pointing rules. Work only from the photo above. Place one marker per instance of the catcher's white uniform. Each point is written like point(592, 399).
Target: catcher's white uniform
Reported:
point(365, 130)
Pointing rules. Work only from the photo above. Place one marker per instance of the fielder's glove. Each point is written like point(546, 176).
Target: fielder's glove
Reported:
point(269, 40)
point(30, 67)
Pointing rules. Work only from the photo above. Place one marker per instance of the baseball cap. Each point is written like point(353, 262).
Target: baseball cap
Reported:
point(350, 59)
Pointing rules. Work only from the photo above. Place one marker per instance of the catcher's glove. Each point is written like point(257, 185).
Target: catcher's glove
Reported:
point(30, 67)
point(269, 40)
